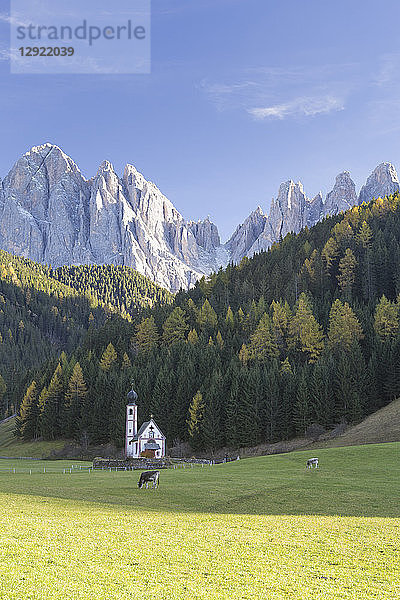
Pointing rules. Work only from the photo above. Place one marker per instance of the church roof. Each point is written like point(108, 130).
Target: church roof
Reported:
point(143, 427)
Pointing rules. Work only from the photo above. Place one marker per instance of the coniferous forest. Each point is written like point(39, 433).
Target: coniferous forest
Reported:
point(306, 333)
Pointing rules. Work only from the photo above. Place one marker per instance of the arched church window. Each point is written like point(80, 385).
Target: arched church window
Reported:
point(131, 411)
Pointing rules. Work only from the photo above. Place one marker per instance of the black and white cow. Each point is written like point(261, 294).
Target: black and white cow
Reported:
point(312, 462)
point(149, 477)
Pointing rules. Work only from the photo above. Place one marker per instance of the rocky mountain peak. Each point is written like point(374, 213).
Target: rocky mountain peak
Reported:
point(105, 167)
point(343, 195)
point(50, 213)
point(314, 210)
point(382, 181)
point(288, 211)
point(246, 234)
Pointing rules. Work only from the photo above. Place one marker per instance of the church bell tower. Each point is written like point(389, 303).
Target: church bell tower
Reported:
point(131, 424)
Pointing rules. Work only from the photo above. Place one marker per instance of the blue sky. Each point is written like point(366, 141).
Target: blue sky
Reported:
point(243, 94)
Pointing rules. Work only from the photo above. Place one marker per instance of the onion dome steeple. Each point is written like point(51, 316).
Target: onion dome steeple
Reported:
point(132, 396)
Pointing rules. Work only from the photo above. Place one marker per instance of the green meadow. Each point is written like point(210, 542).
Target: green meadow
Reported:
point(257, 528)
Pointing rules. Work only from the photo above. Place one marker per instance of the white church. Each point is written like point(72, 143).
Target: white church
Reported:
point(149, 438)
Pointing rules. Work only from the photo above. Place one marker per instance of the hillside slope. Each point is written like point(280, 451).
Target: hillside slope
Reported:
point(44, 312)
point(13, 447)
point(382, 426)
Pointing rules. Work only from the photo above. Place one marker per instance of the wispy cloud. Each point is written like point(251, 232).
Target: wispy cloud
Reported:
point(303, 106)
point(12, 20)
point(278, 93)
point(388, 71)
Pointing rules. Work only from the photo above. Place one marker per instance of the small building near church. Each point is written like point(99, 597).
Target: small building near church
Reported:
point(149, 438)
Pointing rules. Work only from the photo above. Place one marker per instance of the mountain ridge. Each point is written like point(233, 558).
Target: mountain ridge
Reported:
point(51, 213)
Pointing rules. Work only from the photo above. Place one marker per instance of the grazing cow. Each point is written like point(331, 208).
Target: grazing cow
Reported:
point(149, 477)
point(312, 462)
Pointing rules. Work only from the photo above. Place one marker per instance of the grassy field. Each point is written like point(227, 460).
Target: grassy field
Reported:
point(257, 528)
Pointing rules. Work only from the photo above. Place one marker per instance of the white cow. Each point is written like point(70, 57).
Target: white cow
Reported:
point(147, 477)
point(312, 462)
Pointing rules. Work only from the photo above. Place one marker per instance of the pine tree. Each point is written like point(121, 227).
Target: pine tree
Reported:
point(192, 337)
point(195, 419)
point(74, 400)
point(184, 384)
point(193, 312)
point(391, 360)
point(162, 398)
point(219, 340)
point(286, 367)
point(27, 420)
point(232, 394)
point(262, 342)
point(349, 384)
point(280, 322)
point(108, 358)
point(347, 272)
point(270, 403)
point(212, 431)
point(249, 391)
point(241, 318)
point(229, 319)
point(244, 355)
point(51, 406)
point(344, 327)
point(364, 236)
point(330, 252)
point(126, 361)
point(175, 327)
point(386, 322)
point(302, 412)
point(207, 316)
point(305, 333)
point(320, 393)
point(147, 336)
point(117, 405)
point(96, 414)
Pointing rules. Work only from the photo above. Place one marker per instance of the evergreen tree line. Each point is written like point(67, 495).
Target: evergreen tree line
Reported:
point(307, 332)
point(44, 312)
point(116, 287)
